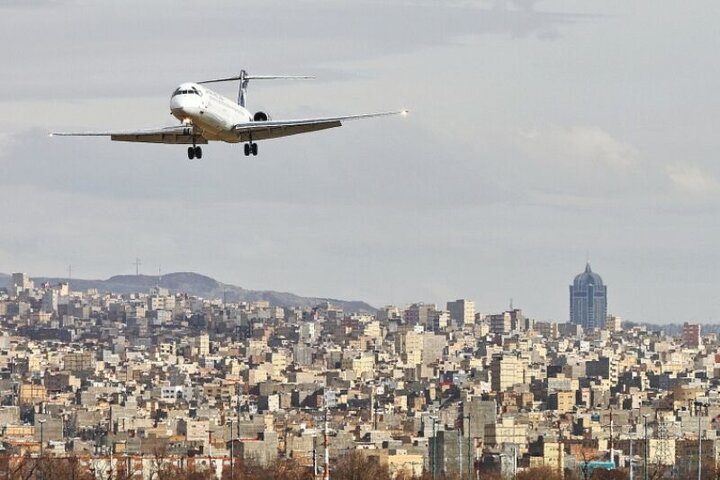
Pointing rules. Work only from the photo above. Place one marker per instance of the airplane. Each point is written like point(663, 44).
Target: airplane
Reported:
point(208, 116)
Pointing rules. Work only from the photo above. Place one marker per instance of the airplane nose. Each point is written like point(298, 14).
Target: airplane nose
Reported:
point(183, 106)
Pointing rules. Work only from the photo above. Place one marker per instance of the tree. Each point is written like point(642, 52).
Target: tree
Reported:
point(280, 470)
point(539, 473)
point(604, 474)
point(357, 466)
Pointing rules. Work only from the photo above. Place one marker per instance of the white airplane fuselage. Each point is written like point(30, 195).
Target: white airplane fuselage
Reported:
point(214, 115)
point(207, 116)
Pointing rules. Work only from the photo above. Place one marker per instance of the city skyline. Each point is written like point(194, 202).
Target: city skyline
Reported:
point(93, 379)
point(530, 142)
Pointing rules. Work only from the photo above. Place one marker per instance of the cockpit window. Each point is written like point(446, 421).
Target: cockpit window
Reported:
point(194, 91)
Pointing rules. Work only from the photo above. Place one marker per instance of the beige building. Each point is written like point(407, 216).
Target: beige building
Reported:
point(401, 462)
point(79, 361)
point(563, 401)
point(506, 371)
point(554, 456)
point(31, 394)
point(507, 432)
point(202, 343)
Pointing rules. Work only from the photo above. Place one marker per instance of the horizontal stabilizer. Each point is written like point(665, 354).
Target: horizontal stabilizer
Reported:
point(258, 77)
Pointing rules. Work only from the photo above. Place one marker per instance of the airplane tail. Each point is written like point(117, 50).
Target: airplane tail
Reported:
point(245, 78)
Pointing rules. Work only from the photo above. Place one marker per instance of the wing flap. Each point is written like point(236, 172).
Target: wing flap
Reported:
point(180, 134)
point(284, 128)
point(167, 138)
point(266, 132)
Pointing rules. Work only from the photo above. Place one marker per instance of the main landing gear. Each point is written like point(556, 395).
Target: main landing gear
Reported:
point(194, 152)
point(251, 149)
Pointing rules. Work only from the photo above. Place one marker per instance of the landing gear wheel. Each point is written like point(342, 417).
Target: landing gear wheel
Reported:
point(247, 149)
point(191, 153)
point(198, 153)
point(254, 149)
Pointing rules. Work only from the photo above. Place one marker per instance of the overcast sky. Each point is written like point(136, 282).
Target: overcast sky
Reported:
point(540, 132)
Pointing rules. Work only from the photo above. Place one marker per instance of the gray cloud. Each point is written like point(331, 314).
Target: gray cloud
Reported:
point(520, 154)
point(119, 53)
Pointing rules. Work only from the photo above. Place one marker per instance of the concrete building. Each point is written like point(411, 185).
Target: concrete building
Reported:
point(691, 335)
point(507, 371)
point(500, 324)
point(462, 311)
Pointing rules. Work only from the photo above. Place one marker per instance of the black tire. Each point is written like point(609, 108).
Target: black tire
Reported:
point(191, 153)
point(254, 149)
point(247, 149)
point(198, 153)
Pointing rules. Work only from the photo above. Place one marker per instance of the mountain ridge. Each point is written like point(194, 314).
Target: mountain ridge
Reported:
point(199, 285)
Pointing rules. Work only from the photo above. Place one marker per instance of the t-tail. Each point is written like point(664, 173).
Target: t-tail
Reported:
point(245, 78)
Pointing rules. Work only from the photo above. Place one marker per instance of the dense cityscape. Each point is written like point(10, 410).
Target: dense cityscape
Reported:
point(137, 385)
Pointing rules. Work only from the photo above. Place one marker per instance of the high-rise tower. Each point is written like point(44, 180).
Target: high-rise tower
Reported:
point(588, 300)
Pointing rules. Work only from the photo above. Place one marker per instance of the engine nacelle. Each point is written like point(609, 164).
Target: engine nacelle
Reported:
point(261, 117)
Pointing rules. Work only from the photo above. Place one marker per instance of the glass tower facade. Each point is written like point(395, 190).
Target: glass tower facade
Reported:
point(588, 300)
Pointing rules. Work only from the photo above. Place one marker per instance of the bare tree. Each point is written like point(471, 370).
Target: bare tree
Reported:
point(540, 473)
point(356, 466)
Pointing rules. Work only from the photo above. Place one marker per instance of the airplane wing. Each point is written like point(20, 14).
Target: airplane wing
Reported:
point(264, 130)
point(180, 134)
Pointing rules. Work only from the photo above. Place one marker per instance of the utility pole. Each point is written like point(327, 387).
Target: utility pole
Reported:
point(42, 437)
point(372, 407)
point(433, 460)
point(232, 452)
point(42, 441)
point(327, 453)
point(459, 449)
point(645, 472)
point(631, 458)
point(314, 458)
point(698, 412)
point(612, 449)
point(699, 447)
point(470, 457)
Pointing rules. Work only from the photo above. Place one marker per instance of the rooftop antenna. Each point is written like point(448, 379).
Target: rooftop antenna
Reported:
point(69, 275)
point(511, 304)
point(137, 266)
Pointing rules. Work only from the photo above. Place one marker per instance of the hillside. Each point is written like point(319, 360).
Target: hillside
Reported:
point(201, 286)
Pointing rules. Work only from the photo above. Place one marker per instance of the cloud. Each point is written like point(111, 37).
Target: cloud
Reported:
point(6, 141)
point(578, 166)
point(692, 180)
point(590, 145)
point(119, 53)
